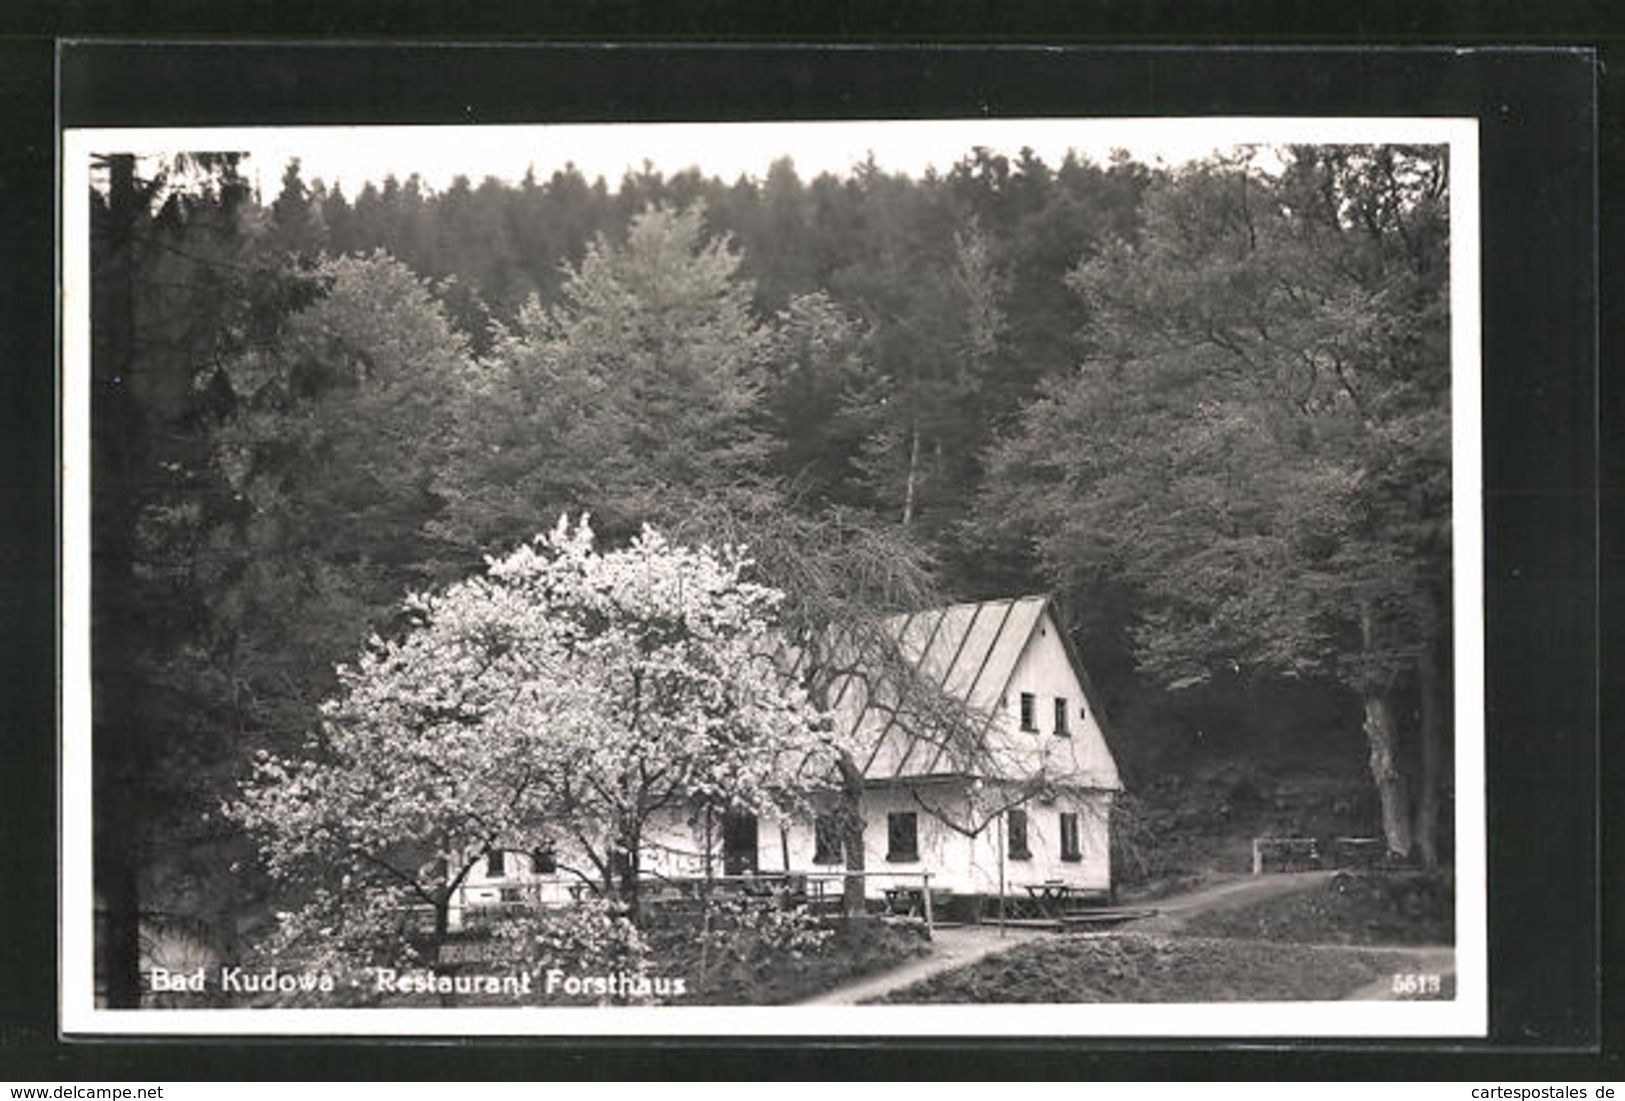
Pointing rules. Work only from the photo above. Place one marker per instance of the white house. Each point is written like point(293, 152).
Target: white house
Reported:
point(1025, 800)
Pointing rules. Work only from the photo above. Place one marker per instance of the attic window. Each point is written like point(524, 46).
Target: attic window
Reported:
point(1029, 712)
point(495, 867)
point(1062, 730)
point(545, 861)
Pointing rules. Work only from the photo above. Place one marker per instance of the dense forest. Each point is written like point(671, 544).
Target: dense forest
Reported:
point(1206, 406)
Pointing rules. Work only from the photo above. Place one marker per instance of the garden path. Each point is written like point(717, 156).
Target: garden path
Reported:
point(1228, 894)
point(950, 948)
point(963, 945)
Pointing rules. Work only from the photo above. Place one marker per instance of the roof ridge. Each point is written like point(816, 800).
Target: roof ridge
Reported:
point(1047, 597)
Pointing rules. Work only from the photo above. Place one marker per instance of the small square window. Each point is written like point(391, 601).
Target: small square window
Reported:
point(1062, 727)
point(1029, 711)
point(1016, 827)
point(544, 861)
point(902, 836)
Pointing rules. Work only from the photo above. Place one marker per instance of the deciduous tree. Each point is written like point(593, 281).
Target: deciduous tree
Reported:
point(564, 693)
point(1261, 447)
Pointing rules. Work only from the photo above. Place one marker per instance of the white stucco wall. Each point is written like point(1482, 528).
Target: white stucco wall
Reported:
point(963, 863)
point(1091, 871)
point(673, 846)
point(1078, 761)
point(959, 863)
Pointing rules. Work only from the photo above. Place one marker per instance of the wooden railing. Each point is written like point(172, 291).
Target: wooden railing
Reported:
point(812, 888)
point(1306, 853)
point(816, 890)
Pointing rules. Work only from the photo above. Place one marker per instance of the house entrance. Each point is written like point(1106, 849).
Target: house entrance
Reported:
point(739, 844)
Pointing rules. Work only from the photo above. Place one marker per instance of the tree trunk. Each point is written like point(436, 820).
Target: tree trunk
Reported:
point(442, 929)
point(1382, 740)
point(1431, 687)
point(850, 817)
point(117, 880)
point(442, 921)
point(913, 473)
point(710, 853)
point(118, 830)
point(630, 893)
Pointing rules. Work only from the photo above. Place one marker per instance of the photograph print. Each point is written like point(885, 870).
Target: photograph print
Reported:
point(1010, 577)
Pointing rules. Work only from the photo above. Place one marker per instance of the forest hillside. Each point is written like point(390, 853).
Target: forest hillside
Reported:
point(1205, 406)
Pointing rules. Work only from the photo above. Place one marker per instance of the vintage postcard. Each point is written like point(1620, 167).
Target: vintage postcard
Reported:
point(987, 577)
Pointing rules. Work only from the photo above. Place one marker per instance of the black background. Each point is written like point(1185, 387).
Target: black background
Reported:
point(1548, 789)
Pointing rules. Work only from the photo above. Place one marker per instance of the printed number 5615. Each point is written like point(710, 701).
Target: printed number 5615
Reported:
point(1411, 983)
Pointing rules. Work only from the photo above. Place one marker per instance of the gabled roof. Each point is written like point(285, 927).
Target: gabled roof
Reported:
point(970, 652)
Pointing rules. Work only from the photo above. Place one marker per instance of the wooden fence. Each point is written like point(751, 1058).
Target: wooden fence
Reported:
point(1299, 854)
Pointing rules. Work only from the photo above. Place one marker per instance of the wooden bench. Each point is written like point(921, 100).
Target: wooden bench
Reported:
point(905, 901)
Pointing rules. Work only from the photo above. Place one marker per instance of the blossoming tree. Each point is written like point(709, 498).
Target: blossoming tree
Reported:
point(566, 692)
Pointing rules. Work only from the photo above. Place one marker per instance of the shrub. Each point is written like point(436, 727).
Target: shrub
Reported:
point(742, 951)
point(755, 936)
point(593, 935)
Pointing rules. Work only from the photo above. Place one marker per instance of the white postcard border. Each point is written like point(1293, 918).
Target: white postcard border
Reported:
point(1464, 1016)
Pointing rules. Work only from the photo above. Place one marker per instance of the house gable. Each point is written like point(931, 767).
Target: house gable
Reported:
point(983, 656)
point(1072, 750)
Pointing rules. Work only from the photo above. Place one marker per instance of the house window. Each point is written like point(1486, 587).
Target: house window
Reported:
point(1062, 730)
point(544, 861)
point(1016, 828)
point(1070, 848)
point(495, 864)
point(902, 836)
point(826, 840)
point(1029, 711)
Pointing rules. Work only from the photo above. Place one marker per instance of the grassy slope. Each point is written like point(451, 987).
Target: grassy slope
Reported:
point(1289, 947)
point(1370, 909)
point(1131, 967)
point(857, 949)
point(1207, 770)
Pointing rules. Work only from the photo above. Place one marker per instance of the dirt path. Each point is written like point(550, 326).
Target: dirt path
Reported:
point(1227, 894)
point(1175, 911)
point(959, 947)
point(951, 948)
point(962, 946)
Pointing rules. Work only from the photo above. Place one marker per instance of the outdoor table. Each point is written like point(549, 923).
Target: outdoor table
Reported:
point(1051, 896)
point(904, 900)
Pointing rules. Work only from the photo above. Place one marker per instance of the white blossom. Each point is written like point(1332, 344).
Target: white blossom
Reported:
point(563, 690)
